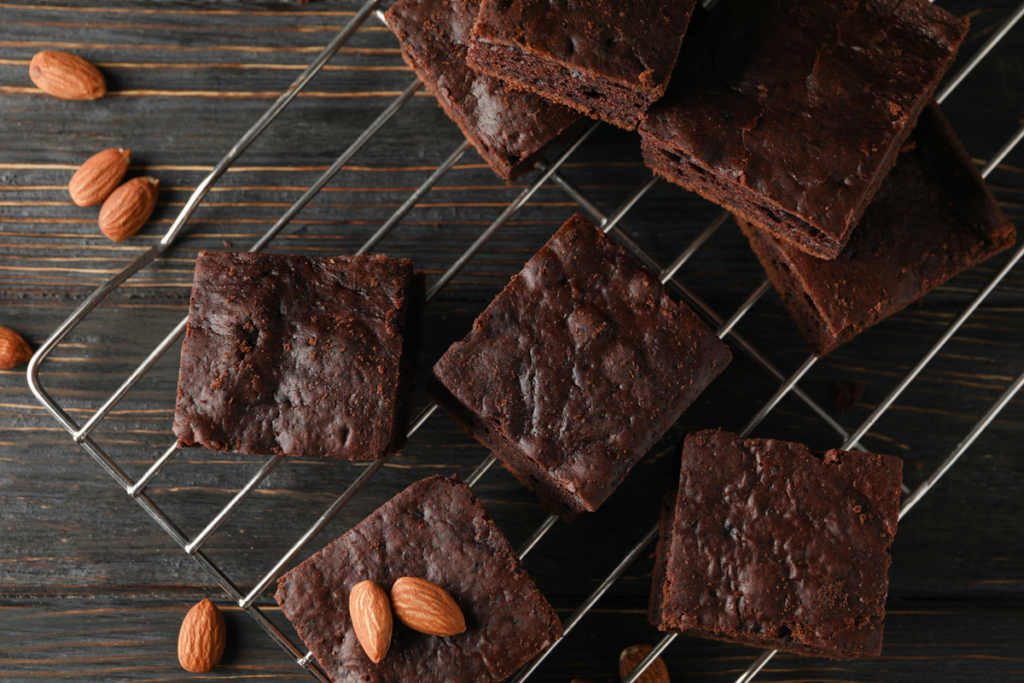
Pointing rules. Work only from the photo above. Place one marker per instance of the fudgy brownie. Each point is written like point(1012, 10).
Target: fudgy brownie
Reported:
point(435, 530)
point(508, 127)
point(791, 115)
point(767, 544)
point(610, 59)
point(299, 356)
point(577, 368)
point(932, 218)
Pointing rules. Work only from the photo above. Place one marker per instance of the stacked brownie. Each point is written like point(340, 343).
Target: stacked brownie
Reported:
point(791, 115)
point(610, 59)
point(932, 218)
point(508, 127)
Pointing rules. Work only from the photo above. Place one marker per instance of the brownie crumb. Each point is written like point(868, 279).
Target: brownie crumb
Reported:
point(847, 395)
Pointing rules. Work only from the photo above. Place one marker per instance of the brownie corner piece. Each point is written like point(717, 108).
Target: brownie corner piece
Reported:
point(610, 59)
point(792, 116)
point(933, 218)
point(295, 355)
point(800, 543)
point(508, 127)
point(577, 368)
point(436, 529)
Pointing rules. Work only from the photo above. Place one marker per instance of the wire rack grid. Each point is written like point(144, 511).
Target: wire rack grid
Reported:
point(548, 173)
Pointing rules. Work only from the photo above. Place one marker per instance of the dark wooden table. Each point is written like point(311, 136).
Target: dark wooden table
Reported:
point(91, 589)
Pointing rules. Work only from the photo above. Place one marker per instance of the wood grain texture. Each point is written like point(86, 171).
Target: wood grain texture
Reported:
point(91, 588)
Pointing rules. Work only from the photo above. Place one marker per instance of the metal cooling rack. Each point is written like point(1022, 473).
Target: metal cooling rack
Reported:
point(549, 171)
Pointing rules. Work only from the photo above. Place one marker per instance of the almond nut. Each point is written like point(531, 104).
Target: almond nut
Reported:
point(426, 607)
point(202, 637)
point(128, 208)
point(657, 672)
point(14, 350)
point(66, 76)
point(99, 176)
point(370, 610)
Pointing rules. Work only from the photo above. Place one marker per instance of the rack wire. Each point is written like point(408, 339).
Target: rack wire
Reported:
point(610, 224)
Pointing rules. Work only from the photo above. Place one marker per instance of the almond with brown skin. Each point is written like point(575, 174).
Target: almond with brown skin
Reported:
point(657, 672)
point(14, 350)
point(99, 176)
point(66, 76)
point(370, 610)
point(129, 207)
point(202, 637)
point(426, 607)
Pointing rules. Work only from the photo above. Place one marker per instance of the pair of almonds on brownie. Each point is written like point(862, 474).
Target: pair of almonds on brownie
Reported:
point(127, 207)
point(419, 604)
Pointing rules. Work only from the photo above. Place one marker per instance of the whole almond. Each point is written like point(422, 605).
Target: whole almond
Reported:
point(657, 672)
point(202, 637)
point(426, 607)
point(371, 618)
point(128, 208)
point(98, 176)
point(66, 76)
point(14, 350)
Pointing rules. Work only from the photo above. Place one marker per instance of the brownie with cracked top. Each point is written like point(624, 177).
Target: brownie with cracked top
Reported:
point(508, 127)
point(577, 368)
point(791, 115)
point(933, 218)
point(610, 59)
point(295, 355)
point(767, 544)
point(436, 530)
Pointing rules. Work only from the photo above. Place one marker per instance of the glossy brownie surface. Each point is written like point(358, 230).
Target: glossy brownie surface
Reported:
point(577, 368)
point(932, 218)
point(437, 530)
point(791, 115)
point(770, 545)
point(296, 355)
point(508, 127)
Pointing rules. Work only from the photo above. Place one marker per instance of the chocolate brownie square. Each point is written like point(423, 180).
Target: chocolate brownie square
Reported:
point(295, 355)
point(435, 530)
point(577, 368)
point(610, 59)
point(791, 115)
point(933, 218)
point(508, 127)
point(767, 544)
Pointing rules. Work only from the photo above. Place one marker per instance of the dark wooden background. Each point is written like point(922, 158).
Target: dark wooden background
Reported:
point(91, 589)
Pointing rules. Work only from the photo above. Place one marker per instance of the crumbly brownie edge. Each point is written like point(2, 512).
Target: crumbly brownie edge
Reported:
point(662, 553)
point(553, 498)
point(503, 166)
point(557, 83)
point(800, 306)
point(688, 173)
point(410, 329)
